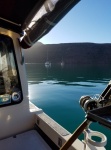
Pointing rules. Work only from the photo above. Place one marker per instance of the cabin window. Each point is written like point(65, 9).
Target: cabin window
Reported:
point(10, 87)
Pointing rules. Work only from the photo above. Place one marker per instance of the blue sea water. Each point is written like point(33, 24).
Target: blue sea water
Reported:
point(57, 91)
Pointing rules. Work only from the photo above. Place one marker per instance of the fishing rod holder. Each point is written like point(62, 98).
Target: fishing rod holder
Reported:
point(89, 142)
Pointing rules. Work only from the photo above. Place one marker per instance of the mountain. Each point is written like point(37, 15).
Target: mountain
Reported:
point(71, 53)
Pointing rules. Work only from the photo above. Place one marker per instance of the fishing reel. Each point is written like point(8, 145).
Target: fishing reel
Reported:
point(88, 103)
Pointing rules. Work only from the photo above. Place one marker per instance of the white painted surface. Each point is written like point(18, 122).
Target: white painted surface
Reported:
point(17, 118)
point(30, 140)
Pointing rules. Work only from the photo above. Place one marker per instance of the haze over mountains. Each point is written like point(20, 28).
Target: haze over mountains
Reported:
point(70, 53)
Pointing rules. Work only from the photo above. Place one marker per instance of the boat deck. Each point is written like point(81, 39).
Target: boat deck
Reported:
point(29, 140)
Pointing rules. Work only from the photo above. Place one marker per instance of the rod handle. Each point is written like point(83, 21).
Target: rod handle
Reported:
point(75, 135)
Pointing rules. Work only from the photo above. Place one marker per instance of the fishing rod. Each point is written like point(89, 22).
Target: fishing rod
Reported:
point(75, 135)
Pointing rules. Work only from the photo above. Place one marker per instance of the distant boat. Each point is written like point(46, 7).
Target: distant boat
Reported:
point(62, 63)
point(47, 63)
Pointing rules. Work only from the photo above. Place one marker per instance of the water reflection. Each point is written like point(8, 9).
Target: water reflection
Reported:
point(68, 75)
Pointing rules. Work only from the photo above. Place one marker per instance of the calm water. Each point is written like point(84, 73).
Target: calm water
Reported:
point(57, 91)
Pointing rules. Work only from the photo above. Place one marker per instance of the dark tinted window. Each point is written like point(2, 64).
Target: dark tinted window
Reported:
point(10, 87)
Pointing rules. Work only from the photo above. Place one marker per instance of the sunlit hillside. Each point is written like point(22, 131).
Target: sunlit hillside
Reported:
point(70, 53)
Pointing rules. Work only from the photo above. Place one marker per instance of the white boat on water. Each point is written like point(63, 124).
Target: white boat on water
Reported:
point(47, 64)
point(22, 124)
point(62, 64)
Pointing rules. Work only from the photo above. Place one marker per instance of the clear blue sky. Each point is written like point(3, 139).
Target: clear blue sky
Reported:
point(88, 21)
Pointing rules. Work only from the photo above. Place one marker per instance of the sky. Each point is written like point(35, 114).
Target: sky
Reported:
point(88, 21)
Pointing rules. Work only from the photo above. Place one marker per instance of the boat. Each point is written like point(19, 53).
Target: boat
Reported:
point(47, 63)
point(22, 124)
point(62, 63)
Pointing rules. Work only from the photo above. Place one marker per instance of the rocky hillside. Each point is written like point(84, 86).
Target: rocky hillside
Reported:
point(71, 53)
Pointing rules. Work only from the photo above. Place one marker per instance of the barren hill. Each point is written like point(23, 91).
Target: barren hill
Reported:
point(71, 53)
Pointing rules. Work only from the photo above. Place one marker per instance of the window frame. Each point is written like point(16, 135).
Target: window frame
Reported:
point(17, 70)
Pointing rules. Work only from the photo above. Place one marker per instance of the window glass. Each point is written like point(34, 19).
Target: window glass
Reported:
point(10, 87)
